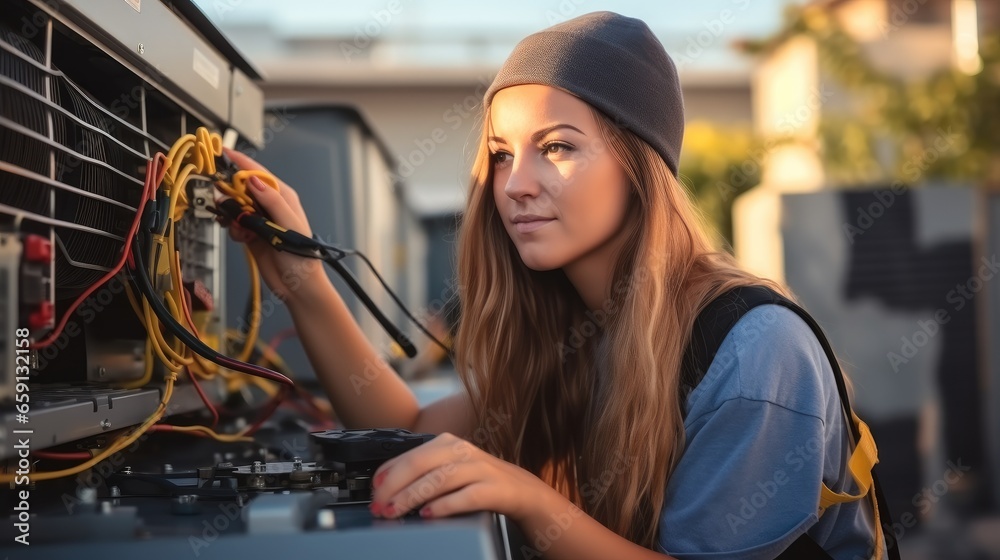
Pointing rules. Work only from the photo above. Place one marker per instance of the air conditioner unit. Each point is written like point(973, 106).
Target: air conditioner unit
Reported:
point(89, 91)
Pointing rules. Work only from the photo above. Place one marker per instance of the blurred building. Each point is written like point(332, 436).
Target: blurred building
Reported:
point(876, 262)
point(908, 39)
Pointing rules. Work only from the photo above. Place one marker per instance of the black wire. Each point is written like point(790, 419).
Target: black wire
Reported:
point(395, 298)
point(140, 278)
point(366, 300)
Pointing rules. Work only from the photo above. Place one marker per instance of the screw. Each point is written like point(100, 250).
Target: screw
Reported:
point(141, 48)
point(102, 371)
point(167, 468)
point(296, 463)
point(258, 467)
point(325, 519)
point(105, 424)
point(87, 495)
point(127, 470)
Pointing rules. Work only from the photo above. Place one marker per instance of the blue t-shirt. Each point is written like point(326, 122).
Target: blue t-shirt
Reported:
point(763, 427)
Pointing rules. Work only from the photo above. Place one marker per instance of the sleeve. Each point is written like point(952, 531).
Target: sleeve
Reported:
point(747, 484)
point(758, 444)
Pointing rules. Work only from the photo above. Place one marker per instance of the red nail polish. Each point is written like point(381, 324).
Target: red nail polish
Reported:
point(425, 511)
point(375, 508)
point(389, 510)
point(379, 478)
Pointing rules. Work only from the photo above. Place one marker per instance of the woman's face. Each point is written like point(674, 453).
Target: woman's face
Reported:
point(550, 162)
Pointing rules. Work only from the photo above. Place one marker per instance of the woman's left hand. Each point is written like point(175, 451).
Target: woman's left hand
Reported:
point(449, 475)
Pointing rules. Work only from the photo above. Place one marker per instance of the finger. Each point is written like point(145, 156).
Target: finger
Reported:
point(240, 234)
point(445, 479)
point(464, 500)
point(415, 463)
point(277, 207)
point(379, 475)
point(242, 160)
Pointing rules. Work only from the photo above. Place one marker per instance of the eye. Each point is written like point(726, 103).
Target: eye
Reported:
point(500, 158)
point(556, 147)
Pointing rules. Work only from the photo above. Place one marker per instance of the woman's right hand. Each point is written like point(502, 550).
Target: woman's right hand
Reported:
point(284, 273)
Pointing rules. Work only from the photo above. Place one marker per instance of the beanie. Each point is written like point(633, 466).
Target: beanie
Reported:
point(612, 62)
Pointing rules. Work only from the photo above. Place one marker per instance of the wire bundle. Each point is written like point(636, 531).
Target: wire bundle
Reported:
point(150, 235)
point(160, 300)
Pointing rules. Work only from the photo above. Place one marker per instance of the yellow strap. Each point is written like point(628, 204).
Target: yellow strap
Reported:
point(860, 465)
point(862, 461)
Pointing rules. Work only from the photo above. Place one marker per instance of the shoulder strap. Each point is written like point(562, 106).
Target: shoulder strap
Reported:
point(710, 329)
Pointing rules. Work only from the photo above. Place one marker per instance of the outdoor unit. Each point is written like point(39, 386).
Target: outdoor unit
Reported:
point(89, 90)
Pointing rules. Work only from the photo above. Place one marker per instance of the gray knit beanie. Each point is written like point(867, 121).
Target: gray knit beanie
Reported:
point(612, 62)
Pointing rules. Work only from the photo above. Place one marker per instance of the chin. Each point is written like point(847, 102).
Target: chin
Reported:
point(539, 261)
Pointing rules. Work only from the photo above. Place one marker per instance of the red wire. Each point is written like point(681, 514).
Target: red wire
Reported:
point(194, 378)
point(70, 456)
point(152, 169)
point(282, 335)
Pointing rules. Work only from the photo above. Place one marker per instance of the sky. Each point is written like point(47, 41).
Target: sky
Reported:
point(677, 23)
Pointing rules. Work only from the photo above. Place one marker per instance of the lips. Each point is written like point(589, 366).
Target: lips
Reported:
point(528, 227)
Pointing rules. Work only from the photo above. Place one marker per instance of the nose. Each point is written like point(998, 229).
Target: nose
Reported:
point(522, 180)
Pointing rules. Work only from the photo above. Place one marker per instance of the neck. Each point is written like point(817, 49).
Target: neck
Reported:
point(592, 273)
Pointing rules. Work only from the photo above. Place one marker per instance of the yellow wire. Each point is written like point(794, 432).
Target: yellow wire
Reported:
point(229, 438)
point(160, 346)
point(255, 317)
point(190, 154)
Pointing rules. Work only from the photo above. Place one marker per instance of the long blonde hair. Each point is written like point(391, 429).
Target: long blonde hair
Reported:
point(525, 344)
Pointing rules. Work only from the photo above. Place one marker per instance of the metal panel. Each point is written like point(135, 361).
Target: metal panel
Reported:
point(155, 35)
point(73, 413)
point(246, 102)
point(10, 260)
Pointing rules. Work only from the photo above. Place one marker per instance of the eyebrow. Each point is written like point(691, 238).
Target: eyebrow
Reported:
point(541, 133)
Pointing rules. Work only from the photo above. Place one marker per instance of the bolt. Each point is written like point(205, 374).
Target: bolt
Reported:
point(127, 470)
point(105, 424)
point(325, 519)
point(296, 463)
point(258, 467)
point(141, 48)
point(87, 495)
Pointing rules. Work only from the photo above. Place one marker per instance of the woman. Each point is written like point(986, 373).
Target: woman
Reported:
point(582, 267)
